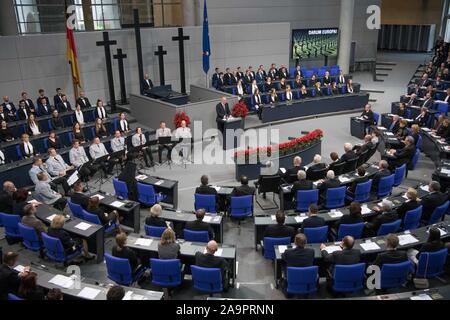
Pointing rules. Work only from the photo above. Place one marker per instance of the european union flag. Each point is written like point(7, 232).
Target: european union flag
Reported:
point(206, 43)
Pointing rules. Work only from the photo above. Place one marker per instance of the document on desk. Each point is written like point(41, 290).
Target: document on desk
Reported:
point(160, 182)
point(131, 296)
point(207, 219)
point(331, 249)
point(144, 242)
point(426, 129)
point(51, 217)
point(216, 188)
point(444, 171)
point(83, 226)
point(19, 268)
point(141, 177)
point(335, 214)
point(370, 246)
point(283, 170)
point(421, 297)
point(273, 217)
point(405, 239)
point(117, 204)
point(73, 178)
point(344, 179)
point(425, 188)
point(300, 219)
point(365, 209)
point(99, 196)
point(282, 249)
point(381, 128)
point(88, 293)
point(35, 202)
point(62, 281)
point(218, 253)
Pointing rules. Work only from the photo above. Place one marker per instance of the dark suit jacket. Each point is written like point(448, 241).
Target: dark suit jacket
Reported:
point(313, 222)
point(43, 112)
point(80, 199)
point(206, 260)
point(348, 219)
point(243, 190)
point(38, 101)
point(376, 178)
point(355, 182)
point(66, 240)
point(317, 166)
point(405, 207)
point(6, 202)
point(291, 172)
point(222, 112)
point(391, 257)
point(404, 155)
point(62, 108)
point(200, 226)
point(430, 202)
point(9, 281)
point(298, 257)
point(205, 190)
point(301, 185)
point(85, 105)
point(368, 116)
point(22, 150)
point(385, 217)
point(346, 256)
point(394, 127)
point(350, 155)
point(155, 222)
point(126, 253)
point(279, 231)
point(21, 113)
point(146, 86)
point(327, 184)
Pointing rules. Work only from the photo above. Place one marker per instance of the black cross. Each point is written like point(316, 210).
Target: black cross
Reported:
point(107, 44)
point(137, 32)
point(123, 90)
point(161, 53)
point(181, 38)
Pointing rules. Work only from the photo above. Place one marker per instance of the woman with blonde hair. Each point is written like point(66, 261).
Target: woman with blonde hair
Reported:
point(288, 93)
point(409, 204)
point(154, 219)
point(168, 248)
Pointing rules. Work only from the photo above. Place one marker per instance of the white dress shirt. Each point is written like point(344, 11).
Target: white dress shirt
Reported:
point(34, 129)
point(166, 132)
point(80, 116)
point(28, 148)
point(2, 157)
point(124, 125)
point(101, 113)
point(288, 96)
point(184, 133)
point(97, 151)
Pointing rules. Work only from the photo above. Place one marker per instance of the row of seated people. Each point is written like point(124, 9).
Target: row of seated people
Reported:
point(423, 117)
point(43, 107)
point(229, 78)
point(34, 141)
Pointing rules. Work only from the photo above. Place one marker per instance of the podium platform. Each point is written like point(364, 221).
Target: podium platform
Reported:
point(357, 127)
point(165, 93)
point(230, 127)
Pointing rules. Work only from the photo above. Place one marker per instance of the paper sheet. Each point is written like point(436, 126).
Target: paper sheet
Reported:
point(421, 297)
point(83, 226)
point(406, 239)
point(88, 293)
point(19, 268)
point(51, 217)
point(331, 249)
point(160, 182)
point(216, 188)
point(283, 170)
point(425, 188)
point(344, 179)
point(207, 219)
point(33, 202)
point(369, 246)
point(335, 214)
point(273, 217)
point(218, 253)
point(144, 242)
point(444, 171)
point(141, 177)
point(389, 134)
point(62, 281)
point(99, 196)
point(365, 209)
point(130, 295)
point(282, 249)
point(73, 178)
point(300, 219)
point(117, 204)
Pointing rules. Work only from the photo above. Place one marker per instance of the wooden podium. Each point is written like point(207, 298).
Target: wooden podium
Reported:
point(357, 127)
point(230, 126)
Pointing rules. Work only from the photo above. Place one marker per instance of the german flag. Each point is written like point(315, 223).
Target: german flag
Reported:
point(72, 56)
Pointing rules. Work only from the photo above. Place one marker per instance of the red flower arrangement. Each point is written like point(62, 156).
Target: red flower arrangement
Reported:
point(284, 148)
point(179, 117)
point(240, 110)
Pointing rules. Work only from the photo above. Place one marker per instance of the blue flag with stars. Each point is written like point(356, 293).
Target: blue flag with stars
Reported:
point(206, 43)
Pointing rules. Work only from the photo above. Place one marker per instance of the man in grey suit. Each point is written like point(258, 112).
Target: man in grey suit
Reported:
point(139, 140)
point(38, 167)
point(44, 193)
point(98, 150)
point(118, 144)
point(80, 160)
point(58, 169)
point(164, 132)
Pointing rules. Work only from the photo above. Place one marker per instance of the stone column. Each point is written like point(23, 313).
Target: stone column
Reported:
point(346, 34)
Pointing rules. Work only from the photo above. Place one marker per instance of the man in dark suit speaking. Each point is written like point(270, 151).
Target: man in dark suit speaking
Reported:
point(223, 113)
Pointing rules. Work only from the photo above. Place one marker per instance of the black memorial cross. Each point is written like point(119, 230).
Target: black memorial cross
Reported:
point(181, 38)
point(161, 53)
point(107, 43)
point(123, 89)
point(137, 31)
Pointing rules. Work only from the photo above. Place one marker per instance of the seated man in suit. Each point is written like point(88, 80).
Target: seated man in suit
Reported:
point(368, 116)
point(199, 225)
point(317, 165)
point(44, 108)
point(244, 189)
point(147, 85)
point(330, 182)
point(209, 260)
point(423, 118)
point(9, 278)
point(78, 197)
point(391, 255)
point(387, 215)
point(313, 220)
point(58, 169)
point(335, 161)
point(346, 256)
point(83, 101)
point(361, 171)
point(301, 184)
point(9, 108)
point(279, 230)
point(44, 193)
point(291, 173)
point(395, 124)
point(205, 188)
point(432, 200)
point(383, 171)
point(428, 101)
point(6, 197)
point(397, 158)
point(299, 256)
point(349, 153)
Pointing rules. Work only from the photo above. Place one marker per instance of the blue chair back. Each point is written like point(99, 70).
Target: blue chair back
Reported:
point(305, 198)
point(207, 280)
point(11, 224)
point(438, 213)
point(206, 202)
point(362, 191)
point(119, 270)
point(413, 163)
point(76, 209)
point(412, 219)
point(92, 218)
point(316, 235)
point(270, 243)
point(335, 197)
point(376, 118)
point(241, 206)
point(349, 278)
point(395, 275)
point(431, 264)
point(19, 152)
point(385, 186)
point(196, 236)
point(354, 230)
point(30, 238)
point(120, 188)
point(391, 227)
point(166, 273)
point(155, 232)
point(302, 280)
point(147, 194)
point(54, 249)
point(419, 142)
point(13, 297)
point(399, 175)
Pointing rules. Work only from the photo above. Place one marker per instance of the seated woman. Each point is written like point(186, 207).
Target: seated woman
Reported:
point(327, 79)
point(5, 133)
point(288, 94)
point(100, 129)
point(402, 112)
point(53, 141)
point(28, 288)
point(57, 122)
point(409, 204)
point(318, 89)
point(298, 84)
point(33, 128)
point(303, 92)
point(273, 97)
point(283, 84)
point(354, 217)
point(120, 250)
point(69, 244)
point(79, 116)
point(168, 248)
point(313, 80)
point(153, 219)
point(77, 133)
point(334, 89)
point(107, 219)
point(433, 244)
point(26, 147)
point(402, 130)
point(268, 85)
point(350, 88)
point(415, 133)
point(19, 201)
point(240, 90)
point(254, 87)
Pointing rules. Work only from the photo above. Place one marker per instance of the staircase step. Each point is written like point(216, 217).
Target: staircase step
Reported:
point(382, 74)
point(372, 91)
point(384, 69)
point(385, 63)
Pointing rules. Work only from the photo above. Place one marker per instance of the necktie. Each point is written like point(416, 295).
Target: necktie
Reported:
point(28, 104)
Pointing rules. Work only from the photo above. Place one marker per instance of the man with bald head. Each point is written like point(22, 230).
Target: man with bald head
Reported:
point(349, 153)
point(209, 259)
point(223, 113)
point(346, 256)
point(6, 197)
